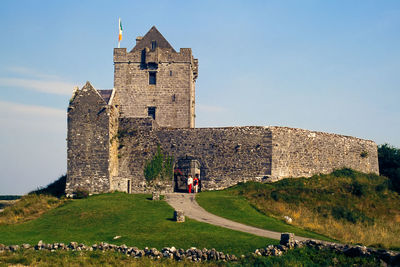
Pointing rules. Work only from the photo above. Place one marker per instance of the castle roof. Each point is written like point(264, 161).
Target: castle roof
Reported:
point(153, 35)
point(105, 94)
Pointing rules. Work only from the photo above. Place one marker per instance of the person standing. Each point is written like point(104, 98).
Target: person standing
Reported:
point(190, 183)
point(196, 183)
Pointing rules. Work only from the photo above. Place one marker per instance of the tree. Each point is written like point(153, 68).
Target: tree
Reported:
point(389, 164)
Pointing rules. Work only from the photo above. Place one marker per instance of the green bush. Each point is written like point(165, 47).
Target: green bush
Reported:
point(353, 216)
point(160, 166)
point(358, 189)
point(345, 172)
point(389, 164)
point(56, 188)
point(81, 193)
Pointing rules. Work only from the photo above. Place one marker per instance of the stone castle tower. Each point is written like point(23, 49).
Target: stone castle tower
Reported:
point(112, 134)
point(154, 80)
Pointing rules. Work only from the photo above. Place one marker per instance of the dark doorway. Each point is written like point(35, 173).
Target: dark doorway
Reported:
point(151, 112)
point(129, 186)
point(182, 169)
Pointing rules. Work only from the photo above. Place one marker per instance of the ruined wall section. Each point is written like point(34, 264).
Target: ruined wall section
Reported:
point(138, 143)
point(298, 152)
point(113, 127)
point(226, 155)
point(88, 142)
point(174, 92)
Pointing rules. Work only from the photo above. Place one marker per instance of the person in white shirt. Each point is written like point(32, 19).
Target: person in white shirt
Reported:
point(196, 183)
point(190, 183)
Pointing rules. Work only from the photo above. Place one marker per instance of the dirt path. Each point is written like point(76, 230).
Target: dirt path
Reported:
point(191, 209)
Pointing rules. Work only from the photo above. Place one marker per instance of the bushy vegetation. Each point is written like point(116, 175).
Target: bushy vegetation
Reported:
point(81, 193)
point(56, 188)
point(28, 207)
point(159, 167)
point(389, 164)
point(345, 205)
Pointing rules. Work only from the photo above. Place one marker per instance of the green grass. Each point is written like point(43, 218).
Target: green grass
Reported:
point(76, 258)
point(236, 208)
point(139, 221)
point(309, 257)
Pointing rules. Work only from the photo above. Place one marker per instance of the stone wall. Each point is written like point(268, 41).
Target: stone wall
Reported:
point(235, 154)
point(138, 143)
point(226, 155)
point(298, 152)
point(88, 142)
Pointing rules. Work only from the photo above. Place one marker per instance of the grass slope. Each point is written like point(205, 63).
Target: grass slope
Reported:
point(345, 205)
point(141, 222)
point(235, 207)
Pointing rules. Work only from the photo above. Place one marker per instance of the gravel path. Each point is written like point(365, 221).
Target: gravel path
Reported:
point(189, 206)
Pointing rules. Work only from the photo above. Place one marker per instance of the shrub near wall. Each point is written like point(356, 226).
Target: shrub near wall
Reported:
point(159, 167)
point(389, 164)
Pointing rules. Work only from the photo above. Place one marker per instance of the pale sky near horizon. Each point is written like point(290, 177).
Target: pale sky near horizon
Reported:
point(330, 66)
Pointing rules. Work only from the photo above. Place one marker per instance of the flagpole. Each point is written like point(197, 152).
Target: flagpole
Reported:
point(119, 32)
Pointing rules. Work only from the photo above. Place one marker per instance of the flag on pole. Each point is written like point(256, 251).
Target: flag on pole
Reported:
point(119, 31)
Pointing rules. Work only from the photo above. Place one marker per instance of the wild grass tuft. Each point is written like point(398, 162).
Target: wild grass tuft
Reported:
point(28, 207)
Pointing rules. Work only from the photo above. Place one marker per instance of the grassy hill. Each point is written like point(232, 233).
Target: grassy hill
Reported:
point(138, 220)
point(345, 205)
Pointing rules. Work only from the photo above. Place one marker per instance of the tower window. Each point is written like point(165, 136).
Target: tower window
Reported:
point(151, 111)
point(152, 77)
point(170, 73)
point(153, 45)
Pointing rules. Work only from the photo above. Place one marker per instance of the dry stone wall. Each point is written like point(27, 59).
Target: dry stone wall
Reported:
point(298, 152)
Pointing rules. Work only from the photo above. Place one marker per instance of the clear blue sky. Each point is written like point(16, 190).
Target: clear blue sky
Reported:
point(329, 66)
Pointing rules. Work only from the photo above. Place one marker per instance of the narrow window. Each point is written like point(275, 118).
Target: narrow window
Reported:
point(170, 73)
point(152, 77)
point(173, 98)
point(151, 111)
point(129, 187)
point(153, 45)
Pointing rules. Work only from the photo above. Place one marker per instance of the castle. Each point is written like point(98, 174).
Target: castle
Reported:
point(113, 134)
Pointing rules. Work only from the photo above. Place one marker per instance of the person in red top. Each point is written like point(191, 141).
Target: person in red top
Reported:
point(190, 183)
point(196, 183)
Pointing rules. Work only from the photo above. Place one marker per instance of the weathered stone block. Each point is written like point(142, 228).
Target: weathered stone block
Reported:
point(156, 196)
point(287, 239)
point(179, 216)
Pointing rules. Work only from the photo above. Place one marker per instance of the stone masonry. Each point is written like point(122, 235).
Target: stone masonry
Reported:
point(172, 91)
point(113, 133)
point(91, 123)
